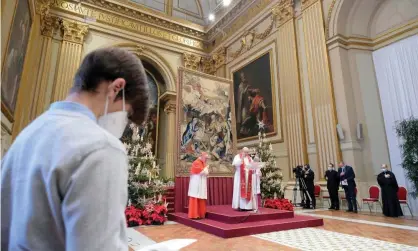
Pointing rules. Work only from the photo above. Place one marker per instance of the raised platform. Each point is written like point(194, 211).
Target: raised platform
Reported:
point(225, 222)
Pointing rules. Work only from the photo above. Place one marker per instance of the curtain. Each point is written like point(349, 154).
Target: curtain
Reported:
point(396, 69)
point(219, 192)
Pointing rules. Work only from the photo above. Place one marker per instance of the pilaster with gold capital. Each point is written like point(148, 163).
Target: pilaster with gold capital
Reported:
point(284, 11)
point(307, 3)
point(192, 61)
point(170, 141)
point(73, 36)
point(170, 106)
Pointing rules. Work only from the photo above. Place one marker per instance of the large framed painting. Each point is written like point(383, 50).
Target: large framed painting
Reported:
point(149, 129)
point(254, 93)
point(205, 121)
point(15, 57)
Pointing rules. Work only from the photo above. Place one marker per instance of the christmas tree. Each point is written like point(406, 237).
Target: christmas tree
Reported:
point(271, 179)
point(144, 183)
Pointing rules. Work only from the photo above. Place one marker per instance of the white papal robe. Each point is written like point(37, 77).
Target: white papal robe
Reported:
point(237, 201)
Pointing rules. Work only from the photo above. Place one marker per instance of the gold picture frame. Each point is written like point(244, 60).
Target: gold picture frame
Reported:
point(219, 167)
point(272, 96)
point(14, 55)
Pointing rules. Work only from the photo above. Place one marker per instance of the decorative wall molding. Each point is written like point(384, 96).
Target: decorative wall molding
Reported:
point(170, 106)
point(284, 11)
point(248, 38)
point(50, 25)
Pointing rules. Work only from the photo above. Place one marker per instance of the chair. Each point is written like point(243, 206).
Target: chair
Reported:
point(328, 198)
point(403, 198)
point(317, 193)
point(343, 198)
point(374, 194)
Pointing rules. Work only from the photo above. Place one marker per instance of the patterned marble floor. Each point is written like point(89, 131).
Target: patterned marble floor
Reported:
point(318, 239)
point(362, 232)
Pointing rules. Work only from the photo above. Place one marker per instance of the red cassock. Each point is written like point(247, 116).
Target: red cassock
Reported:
point(197, 190)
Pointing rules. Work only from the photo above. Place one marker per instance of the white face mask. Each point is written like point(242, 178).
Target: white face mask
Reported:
point(384, 169)
point(115, 122)
point(330, 168)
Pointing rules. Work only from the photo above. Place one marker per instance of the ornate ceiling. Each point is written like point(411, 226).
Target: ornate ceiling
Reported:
point(195, 11)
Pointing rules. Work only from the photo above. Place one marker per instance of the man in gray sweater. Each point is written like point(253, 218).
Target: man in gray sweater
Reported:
point(64, 179)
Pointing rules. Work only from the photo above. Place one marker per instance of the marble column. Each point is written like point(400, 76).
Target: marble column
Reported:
point(320, 85)
point(70, 57)
point(290, 84)
point(170, 141)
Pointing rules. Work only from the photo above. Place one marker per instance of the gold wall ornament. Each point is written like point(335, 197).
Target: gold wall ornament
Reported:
point(43, 7)
point(192, 61)
point(74, 31)
point(284, 11)
point(219, 57)
point(307, 3)
point(116, 17)
point(50, 25)
point(208, 65)
point(170, 106)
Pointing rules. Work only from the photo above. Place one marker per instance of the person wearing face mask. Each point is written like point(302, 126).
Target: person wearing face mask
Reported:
point(64, 179)
point(389, 186)
point(333, 183)
point(347, 178)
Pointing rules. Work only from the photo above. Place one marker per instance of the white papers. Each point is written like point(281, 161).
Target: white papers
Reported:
point(344, 183)
point(171, 245)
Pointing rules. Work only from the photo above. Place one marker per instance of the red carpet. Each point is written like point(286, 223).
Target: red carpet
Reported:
point(225, 222)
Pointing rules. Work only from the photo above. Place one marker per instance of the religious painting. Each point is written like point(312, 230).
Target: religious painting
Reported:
point(148, 131)
point(15, 57)
point(205, 120)
point(254, 94)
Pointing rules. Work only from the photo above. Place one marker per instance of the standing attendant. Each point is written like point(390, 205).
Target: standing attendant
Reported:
point(389, 186)
point(309, 177)
point(348, 183)
point(333, 183)
point(198, 192)
point(257, 179)
point(64, 179)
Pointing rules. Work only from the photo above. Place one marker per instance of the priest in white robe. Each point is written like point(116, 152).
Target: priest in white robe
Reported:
point(198, 192)
point(242, 198)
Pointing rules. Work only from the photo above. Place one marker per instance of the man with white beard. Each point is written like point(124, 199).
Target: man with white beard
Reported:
point(242, 198)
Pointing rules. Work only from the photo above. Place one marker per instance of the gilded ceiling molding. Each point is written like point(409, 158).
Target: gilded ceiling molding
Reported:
point(284, 11)
point(192, 61)
point(307, 3)
point(138, 14)
point(117, 17)
point(74, 31)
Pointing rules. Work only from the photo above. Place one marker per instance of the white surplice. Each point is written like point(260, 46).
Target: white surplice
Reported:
point(237, 201)
point(198, 187)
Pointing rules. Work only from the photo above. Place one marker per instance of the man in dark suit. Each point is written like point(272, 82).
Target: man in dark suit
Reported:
point(347, 177)
point(309, 177)
point(333, 183)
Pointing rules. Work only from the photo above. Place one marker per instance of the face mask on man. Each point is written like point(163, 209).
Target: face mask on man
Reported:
point(330, 168)
point(115, 122)
point(384, 169)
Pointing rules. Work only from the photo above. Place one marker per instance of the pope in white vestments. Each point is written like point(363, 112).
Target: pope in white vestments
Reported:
point(243, 193)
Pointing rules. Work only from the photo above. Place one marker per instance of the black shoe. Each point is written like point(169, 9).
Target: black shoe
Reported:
point(349, 211)
point(337, 209)
point(331, 208)
point(355, 211)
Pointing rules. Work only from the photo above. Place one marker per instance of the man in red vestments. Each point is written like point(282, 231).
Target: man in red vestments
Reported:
point(198, 187)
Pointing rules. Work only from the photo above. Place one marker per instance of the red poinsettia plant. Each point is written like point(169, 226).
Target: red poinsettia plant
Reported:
point(281, 204)
point(152, 214)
